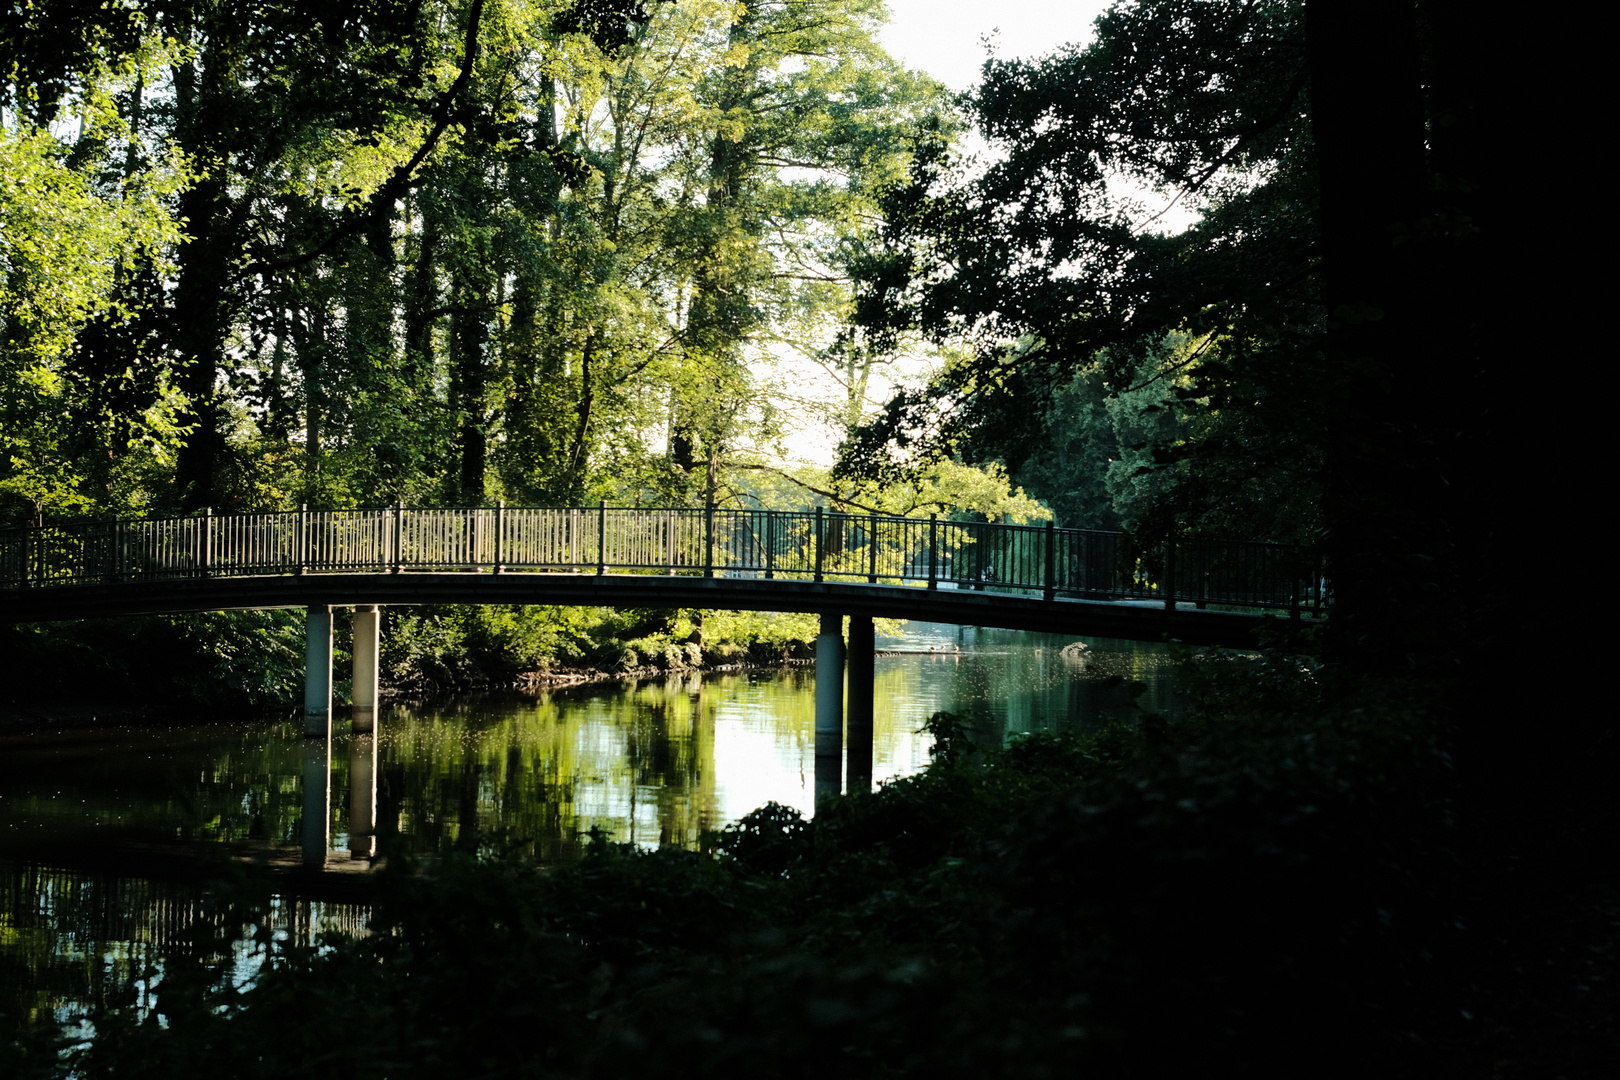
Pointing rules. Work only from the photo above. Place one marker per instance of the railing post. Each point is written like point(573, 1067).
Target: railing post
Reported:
point(1170, 573)
point(770, 544)
point(708, 541)
point(301, 541)
point(669, 542)
point(500, 533)
point(208, 542)
point(933, 551)
point(399, 538)
point(601, 537)
point(818, 543)
point(1051, 560)
point(872, 548)
point(978, 558)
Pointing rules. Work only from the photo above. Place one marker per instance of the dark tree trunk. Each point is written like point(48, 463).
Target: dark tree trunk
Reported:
point(469, 339)
point(1461, 494)
point(312, 354)
point(207, 256)
point(200, 314)
point(1390, 505)
point(578, 455)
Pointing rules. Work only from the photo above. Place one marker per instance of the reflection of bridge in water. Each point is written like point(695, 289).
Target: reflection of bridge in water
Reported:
point(833, 564)
point(73, 939)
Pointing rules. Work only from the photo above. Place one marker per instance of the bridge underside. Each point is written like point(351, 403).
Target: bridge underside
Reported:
point(1137, 621)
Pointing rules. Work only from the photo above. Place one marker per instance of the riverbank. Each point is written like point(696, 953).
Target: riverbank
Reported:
point(66, 716)
point(537, 681)
point(90, 671)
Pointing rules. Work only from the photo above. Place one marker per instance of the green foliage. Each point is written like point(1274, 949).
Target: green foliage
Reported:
point(221, 658)
point(49, 48)
point(78, 255)
point(444, 648)
point(540, 250)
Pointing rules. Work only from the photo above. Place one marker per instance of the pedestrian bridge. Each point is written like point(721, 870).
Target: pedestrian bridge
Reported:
point(1019, 577)
point(835, 564)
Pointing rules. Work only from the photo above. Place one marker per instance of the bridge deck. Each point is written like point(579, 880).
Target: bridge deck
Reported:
point(1136, 620)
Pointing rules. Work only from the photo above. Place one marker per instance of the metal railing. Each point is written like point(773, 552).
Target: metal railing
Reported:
point(817, 545)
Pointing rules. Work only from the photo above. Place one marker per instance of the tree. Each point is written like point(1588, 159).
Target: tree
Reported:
point(266, 103)
point(1045, 271)
point(532, 250)
point(83, 230)
point(1358, 267)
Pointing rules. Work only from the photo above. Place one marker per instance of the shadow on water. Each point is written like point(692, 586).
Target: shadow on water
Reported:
point(94, 821)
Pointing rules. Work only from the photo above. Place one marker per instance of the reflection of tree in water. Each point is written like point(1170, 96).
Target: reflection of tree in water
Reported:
point(217, 783)
point(670, 752)
point(635, 762)
point(1006, 683)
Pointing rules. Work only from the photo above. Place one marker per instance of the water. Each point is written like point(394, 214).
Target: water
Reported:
point(99, 828)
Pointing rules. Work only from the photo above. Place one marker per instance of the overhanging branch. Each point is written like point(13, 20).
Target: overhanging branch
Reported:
point(402, 178)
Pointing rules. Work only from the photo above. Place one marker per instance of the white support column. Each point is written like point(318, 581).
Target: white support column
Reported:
point(318, 672)
point(829, 706)
point(363, 717)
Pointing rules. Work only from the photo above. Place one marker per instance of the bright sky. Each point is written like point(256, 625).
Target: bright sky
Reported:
point(946, 38)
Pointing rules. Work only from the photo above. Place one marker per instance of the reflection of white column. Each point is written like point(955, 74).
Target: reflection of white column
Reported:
point(362, 796)
point(827, 779)
point(363, 717)
point(860, 664)
point(318, 672)
point(317, 796)
point(829, 706)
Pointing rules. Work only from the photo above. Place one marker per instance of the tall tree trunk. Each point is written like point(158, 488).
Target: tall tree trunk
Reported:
point(275, 406)
point(201, 306)
point(578, 456)
point(1539, 750)
point(720, 312)
point(422, 301)
point(469, 338)
point(313, 357)
point(200, 318)
point(1389, 506)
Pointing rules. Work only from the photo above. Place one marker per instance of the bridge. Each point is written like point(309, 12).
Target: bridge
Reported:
point(826, 562)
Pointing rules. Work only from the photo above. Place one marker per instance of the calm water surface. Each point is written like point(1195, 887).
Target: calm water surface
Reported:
point(85, 814)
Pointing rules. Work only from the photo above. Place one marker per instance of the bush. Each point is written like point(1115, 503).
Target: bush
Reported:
point(219, 658)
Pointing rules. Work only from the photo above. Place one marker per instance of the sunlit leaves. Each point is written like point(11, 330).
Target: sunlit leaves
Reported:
point(68, 240)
